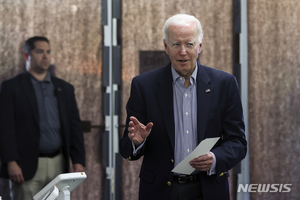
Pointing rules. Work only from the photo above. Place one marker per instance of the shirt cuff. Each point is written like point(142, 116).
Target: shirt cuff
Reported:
point(213, 167)
point(135, 151)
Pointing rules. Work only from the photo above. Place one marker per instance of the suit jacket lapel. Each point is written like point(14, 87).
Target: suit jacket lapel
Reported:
point(204, 95)
point(58, 91)
point(30, 93)
point(164, 94)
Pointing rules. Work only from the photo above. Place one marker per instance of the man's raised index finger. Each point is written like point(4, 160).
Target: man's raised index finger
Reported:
point(134, 120)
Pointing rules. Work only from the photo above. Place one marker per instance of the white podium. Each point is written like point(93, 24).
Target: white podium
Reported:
point(60, 188)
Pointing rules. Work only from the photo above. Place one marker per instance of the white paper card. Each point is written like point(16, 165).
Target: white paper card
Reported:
point(204, 147)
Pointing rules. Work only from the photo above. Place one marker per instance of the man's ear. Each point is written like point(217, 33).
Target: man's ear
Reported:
point(26, 56)
point(200, 47)
point(166, 46)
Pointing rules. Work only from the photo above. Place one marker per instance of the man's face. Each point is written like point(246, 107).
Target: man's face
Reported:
point(40, 57)
point(183, 48)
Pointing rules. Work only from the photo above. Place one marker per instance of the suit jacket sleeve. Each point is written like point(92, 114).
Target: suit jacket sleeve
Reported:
point(233, 145)
point(77, 150)
point(8, 146)
point(135, 107)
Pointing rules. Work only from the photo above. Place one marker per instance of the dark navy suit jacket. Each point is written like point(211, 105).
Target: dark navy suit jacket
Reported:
point(19, 124)
point(219, 114)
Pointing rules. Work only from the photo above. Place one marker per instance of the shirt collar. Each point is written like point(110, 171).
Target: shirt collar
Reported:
point(175, 75)
point(47, 78)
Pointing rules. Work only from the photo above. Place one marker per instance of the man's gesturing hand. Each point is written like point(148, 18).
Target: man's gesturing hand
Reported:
point(138, 131)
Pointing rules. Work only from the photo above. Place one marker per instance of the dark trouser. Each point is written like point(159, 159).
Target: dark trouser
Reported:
point(186, 191)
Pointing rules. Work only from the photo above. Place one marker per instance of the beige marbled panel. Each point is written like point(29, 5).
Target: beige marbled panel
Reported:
point(12, 34)
point(75, 33)
point(91, 187)
point(142, 29)
point(274, 91)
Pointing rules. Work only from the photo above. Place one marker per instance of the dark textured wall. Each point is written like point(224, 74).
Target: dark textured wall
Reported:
point(274, 91)
point(74, 30)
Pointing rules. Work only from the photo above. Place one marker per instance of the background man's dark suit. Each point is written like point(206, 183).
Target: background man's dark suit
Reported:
point(219, 115)
point(19, 124)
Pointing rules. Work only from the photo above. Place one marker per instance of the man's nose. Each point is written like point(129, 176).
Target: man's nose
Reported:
point(45, 55)
point(182, 50)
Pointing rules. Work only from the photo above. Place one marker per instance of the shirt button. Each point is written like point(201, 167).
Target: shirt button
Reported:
point(172, 161)
point(185, 95)
point(188, 150)
point(187, 132)
point(186, 113)
point(169, 183)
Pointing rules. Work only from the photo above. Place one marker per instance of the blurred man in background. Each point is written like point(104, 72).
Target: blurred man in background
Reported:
point(40, 127)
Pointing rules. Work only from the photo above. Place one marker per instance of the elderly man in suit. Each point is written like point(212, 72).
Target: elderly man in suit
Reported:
point(172, 109)
point(40, 127)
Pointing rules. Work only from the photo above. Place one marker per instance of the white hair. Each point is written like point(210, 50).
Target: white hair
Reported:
point(183, 19)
